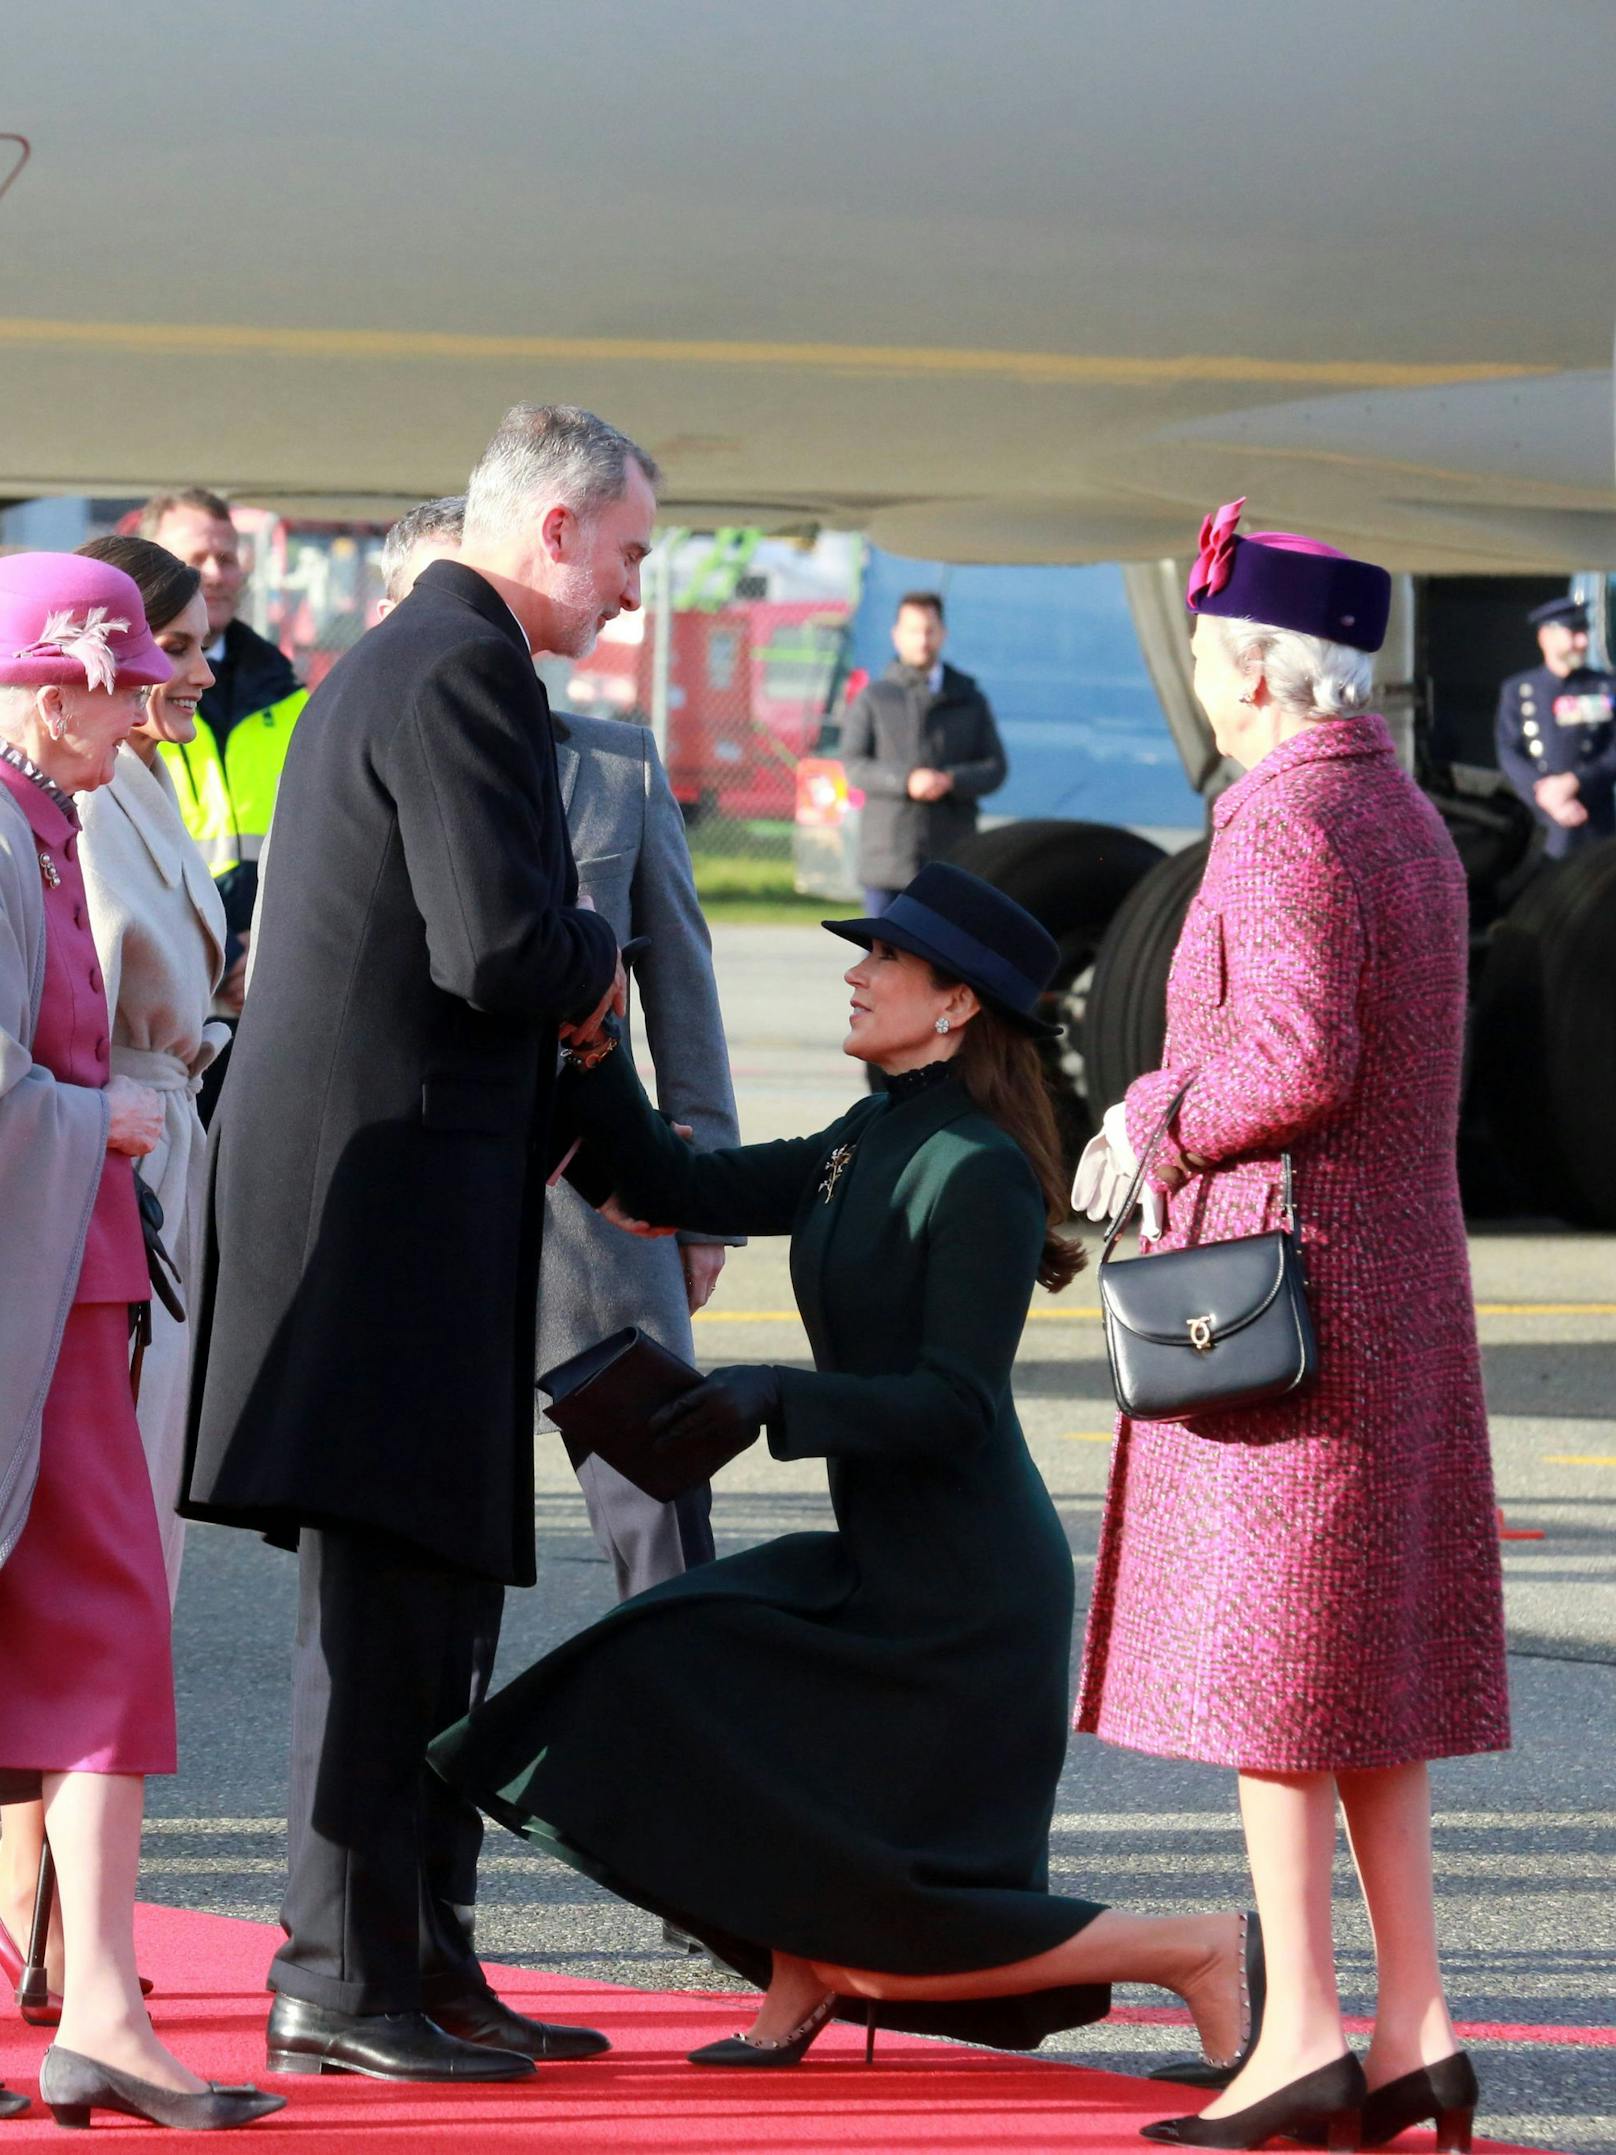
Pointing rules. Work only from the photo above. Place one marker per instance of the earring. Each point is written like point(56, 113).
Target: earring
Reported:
point(1248, 699)
point(942, 1025)
point(56, 727)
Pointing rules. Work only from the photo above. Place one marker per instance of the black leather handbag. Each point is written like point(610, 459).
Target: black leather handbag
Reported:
point(1204, 1330)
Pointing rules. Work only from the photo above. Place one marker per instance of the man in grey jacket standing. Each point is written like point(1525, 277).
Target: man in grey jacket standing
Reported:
point(633, 863)
point(922, 746)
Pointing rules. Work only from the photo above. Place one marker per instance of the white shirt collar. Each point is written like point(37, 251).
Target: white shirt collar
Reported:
point(934, 680)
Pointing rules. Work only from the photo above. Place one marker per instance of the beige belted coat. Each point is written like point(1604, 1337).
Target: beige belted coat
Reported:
point(159, 930)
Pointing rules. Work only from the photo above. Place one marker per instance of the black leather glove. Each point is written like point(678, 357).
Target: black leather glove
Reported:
point(722, 1415)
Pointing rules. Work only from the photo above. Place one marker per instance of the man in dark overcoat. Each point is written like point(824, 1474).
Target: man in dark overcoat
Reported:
point(365, 1330)
point(921, 745)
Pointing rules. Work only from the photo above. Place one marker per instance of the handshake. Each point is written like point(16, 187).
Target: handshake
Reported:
point(588, 1040)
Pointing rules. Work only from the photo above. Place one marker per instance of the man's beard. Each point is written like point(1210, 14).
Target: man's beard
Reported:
point(576, 610)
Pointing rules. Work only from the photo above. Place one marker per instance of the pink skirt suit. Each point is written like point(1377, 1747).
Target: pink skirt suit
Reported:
point(1313, 1585)
point(88, 1681)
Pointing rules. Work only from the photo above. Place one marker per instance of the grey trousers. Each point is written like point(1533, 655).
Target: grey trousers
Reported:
point(647, 1541)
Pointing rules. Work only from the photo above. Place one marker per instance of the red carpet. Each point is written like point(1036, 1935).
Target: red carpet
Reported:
point(641, 2100)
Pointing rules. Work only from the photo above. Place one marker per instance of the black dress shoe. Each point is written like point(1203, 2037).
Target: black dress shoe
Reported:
point(72, 2086)
point(1444, 2093)
point(1205, 2072)
point(305, 2038)
point(480, 2017)
point(12, 2105)
point(1325, 2105)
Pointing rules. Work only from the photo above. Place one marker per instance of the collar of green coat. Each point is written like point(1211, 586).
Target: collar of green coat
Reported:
point(919, 1117)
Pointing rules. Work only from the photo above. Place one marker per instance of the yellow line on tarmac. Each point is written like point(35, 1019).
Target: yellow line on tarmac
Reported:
point(1546, 1309)
point(1580, 1459)
point(215, 339)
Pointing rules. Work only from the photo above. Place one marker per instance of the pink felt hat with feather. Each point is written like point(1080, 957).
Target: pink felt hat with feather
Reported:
point(75, 623)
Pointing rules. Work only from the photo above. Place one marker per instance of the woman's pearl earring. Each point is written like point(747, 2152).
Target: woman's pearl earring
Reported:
point(942, 1025)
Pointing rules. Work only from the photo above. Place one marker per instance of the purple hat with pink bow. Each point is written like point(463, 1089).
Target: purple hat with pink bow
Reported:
point(1286, 581)
point(72, 622)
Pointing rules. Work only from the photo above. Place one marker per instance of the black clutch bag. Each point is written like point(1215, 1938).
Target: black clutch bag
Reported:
point(602, 1401)
point(1204, 1330)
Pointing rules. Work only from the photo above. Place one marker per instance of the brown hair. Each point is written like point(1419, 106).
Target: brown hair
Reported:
point(1003, 1071)
point(932, 601)
point(166, 585)
point(188, 497)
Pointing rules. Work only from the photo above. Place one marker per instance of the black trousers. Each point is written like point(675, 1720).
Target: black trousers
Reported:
point(382, 1857)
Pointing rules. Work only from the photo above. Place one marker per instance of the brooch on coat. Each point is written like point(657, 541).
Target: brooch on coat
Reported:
point(835, 1168)
point(49, 870)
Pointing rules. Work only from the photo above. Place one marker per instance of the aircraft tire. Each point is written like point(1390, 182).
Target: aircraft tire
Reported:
point(1126, 1018)
point(1544, 1038)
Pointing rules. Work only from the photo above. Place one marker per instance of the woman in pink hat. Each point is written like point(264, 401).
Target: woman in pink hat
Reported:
point(1308, 1590)
point(87, 1703)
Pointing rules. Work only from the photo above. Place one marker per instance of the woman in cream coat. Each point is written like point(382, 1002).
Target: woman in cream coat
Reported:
point(159, 930)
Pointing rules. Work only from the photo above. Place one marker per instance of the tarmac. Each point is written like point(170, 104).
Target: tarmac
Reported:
point(1525, 1839)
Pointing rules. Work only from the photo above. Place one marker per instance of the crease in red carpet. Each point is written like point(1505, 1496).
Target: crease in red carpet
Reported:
point(919, 2098)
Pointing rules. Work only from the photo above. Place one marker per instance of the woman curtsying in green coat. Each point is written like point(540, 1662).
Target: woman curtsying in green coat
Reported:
point(834, 1758)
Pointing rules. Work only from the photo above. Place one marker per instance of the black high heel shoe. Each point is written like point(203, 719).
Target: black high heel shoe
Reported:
point(790, 2049)
point(12, 2105)
point(1445, 2094)
point(1205, 2072)
point(1327, 2103)
point(72, 2086)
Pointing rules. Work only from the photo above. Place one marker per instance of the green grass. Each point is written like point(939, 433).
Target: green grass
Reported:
point(743, 873)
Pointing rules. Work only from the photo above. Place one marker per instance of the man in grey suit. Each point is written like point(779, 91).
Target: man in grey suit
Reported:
point(628, 841)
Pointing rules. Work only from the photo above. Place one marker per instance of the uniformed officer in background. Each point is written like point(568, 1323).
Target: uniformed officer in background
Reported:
point(1557, 733)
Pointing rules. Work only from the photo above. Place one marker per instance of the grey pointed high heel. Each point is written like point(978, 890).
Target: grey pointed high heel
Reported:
point(72, 2087)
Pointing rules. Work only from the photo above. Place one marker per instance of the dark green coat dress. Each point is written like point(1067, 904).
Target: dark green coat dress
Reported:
point(845, 1745)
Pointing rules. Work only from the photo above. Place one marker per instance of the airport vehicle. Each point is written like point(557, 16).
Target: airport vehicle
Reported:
point(746, 687)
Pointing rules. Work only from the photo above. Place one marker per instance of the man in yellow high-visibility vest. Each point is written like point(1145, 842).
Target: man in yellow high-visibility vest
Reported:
point(227, 777)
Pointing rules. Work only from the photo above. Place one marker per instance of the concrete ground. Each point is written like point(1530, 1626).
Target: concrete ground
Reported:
point(1525, 1840)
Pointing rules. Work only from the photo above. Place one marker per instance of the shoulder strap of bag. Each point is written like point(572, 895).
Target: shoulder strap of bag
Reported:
point(1125, 1209)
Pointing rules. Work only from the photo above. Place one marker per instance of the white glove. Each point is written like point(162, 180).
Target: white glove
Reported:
point(1107, 1166)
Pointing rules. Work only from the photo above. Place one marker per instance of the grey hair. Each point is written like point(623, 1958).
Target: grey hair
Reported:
point(444, 518)
point(554, 451)
point(1307, 676)
point(16, 706)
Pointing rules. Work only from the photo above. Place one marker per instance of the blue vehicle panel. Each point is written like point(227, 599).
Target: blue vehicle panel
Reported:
point(1055, 652)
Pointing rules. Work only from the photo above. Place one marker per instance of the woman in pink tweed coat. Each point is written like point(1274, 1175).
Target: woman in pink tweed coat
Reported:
point(1309, 1591)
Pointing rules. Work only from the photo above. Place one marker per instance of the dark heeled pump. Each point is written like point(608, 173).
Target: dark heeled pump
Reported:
point(72, 2087)
point(791, 2049)
point(12, 2105)
point(1326, 2104)
point(1444, 2094)
point(1205, 2072)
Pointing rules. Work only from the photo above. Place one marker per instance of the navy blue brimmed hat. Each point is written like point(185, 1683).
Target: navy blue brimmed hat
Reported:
point(1564, 613)
point(971, 932)
point(1287, 581)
